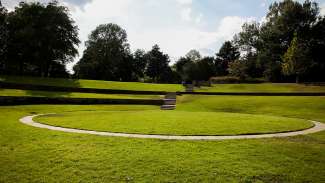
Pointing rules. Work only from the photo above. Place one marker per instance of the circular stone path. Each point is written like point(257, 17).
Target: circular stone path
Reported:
point(28, 120)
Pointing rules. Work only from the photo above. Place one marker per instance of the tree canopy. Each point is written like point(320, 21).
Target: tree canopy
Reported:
point(39, 38)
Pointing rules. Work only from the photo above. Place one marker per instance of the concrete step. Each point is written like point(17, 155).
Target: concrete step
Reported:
point(168, 107)
point(169, 101)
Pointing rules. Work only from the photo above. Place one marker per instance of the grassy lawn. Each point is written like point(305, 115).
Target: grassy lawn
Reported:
point(265, 87)
point(94, 84)
point(297, 107)
point(13, 92)
point(29, 154)
point(175, 122)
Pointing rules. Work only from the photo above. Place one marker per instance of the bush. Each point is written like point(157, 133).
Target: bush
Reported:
point(234, 80)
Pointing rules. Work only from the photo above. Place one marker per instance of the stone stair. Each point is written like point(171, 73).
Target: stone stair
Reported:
point(169, 102)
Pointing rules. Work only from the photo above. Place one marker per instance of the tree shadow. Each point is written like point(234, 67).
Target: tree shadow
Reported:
point(40, 87)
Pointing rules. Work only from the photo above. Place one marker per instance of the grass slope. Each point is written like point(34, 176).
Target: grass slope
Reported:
point(265, 87)
point(93, 84)
point(29, 154)
point(175, 122)
point(13, 92)
point(298, 107)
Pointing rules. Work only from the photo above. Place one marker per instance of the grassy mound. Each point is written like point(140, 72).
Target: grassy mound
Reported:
point(93, 84)
point(289, 106)
point(33, 93)
point(175, 122)
point(265, 87)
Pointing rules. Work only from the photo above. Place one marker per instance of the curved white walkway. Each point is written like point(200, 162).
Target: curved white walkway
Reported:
point(28, 120)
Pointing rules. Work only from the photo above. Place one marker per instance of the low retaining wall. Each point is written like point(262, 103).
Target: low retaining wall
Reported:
point(75, 89)
point(253, 93)
point(8, 100)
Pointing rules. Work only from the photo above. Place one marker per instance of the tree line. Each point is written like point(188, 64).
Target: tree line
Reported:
point(39, 40)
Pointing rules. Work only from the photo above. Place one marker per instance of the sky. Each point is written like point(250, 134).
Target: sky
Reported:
point(177, 26)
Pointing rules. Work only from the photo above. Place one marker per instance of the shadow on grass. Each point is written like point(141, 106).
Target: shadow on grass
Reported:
point(40, 87)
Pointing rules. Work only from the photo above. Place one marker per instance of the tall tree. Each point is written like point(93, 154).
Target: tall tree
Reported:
point(140, 62)
point(283, 20)
point(316, 48)
point(157, 64)
point(193, 55)
point(3, 36)
point(107, 55)
point(40, 37)
point(228, 53)
point(296, 60)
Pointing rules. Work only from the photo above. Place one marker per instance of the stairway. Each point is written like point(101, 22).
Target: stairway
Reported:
point(169, 102)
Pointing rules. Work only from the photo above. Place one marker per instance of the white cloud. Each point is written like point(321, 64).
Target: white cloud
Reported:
point(184, 2)
point(186, 14)
point(322, 9)
point(231, 25)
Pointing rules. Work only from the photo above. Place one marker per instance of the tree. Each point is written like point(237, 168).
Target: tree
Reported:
point(248, 39)
point(283, 20)
point(140, 62)
point(238, 68)
point(316, 47)
point(40, 36)
point(228, 53)
point(157, 64)
point(295, 60)
point(193, 55)
point(206, 68)
point(3, 36)
point(201, 70)
point(181, 62)
point(107, 55)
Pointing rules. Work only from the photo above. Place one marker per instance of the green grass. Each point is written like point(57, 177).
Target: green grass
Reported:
point(33, 93)
point(297, 107)
point(94, 84)
point(175, 122)
point(29, 154)
point(265, 87)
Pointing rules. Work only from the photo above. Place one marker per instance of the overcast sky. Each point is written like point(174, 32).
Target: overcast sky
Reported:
point(177, 26)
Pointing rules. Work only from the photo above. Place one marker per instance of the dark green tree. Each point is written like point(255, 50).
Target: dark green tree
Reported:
point(228, 53)
point(3, 36)
point(107, 55)
point(40, 36)
point(140, 63)
point(283, 20)
point(316, 47)
point(191, 57)
point(248, 40)
point(157, 64)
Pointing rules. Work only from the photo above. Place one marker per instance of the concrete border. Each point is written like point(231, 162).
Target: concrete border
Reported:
point(28, 120)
